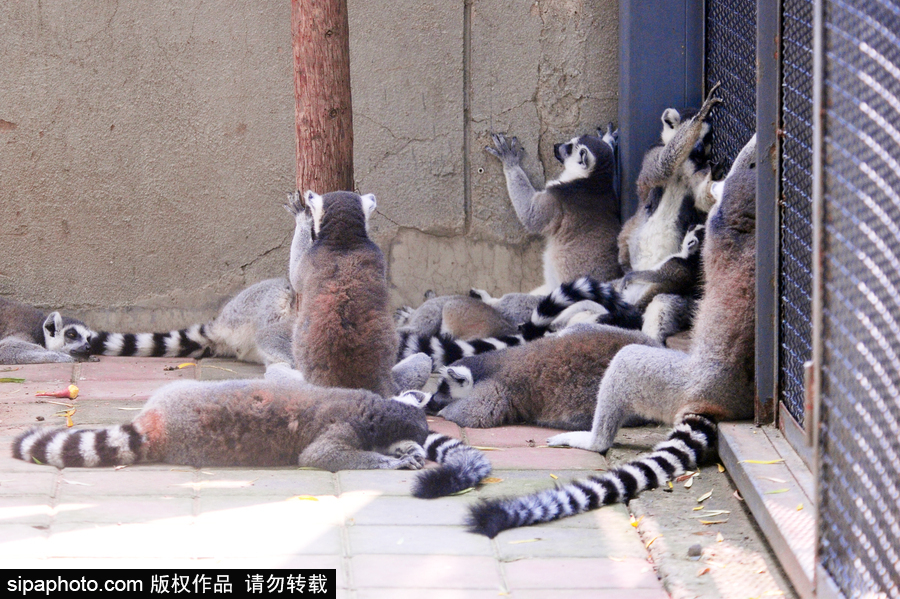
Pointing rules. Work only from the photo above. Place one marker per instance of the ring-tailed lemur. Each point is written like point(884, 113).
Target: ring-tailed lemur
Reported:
point(459, 316)
point(517, 307)
point(713, 382)
point(266, 423)
point(677, 277)
point(665, 295)
point(255, 326)
point(680, 273)
point(577, 213)
point(28, 336)
point(475, 316)
point(549, 382)
point(445, 350)
point(673, 189)
point(344, 332)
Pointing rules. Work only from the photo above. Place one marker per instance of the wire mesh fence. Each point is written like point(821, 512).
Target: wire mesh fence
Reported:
point(730, 59)
point(795, 268)
point(859, 436)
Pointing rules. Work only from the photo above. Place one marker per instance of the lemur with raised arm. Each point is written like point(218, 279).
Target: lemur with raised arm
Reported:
point(714, 382)
point(672, 187)
point(577, 213)
point(674, 198)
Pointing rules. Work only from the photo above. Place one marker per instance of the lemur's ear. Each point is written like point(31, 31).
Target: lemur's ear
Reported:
point(368, 204)
point(52, 324)
point(316, 204)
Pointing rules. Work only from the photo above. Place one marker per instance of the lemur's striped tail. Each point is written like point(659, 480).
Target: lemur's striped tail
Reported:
point(445, 350)
point(461, 467)
point(621, 313)
point(71, 448)
point(680, 452)
point(192, 342)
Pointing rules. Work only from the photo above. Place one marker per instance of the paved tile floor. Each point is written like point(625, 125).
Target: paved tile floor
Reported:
point(364, 524)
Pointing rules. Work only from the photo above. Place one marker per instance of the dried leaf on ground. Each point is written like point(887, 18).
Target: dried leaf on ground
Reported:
point(519, 542)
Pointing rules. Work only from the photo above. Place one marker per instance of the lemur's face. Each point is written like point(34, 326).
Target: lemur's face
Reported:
point(693, 239)
point(577, 159)
point(671, 121)
point(73, 338)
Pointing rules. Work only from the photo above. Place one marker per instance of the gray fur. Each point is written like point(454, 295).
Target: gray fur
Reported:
point(668, 314)
point(344, 331)
point(716, 378)
point(279, 421)
point(516, 307)
point(303, 237)
point(679, 273)
point(458, 316)
point(411, 373)
point(549, 382)
point(669, 179)
point(577, 213)
point(28, 336)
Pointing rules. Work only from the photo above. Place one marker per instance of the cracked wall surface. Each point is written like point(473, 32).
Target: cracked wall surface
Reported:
point(146, 148)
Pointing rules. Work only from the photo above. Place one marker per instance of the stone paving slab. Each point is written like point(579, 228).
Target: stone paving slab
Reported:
point(553, 573)
point(61, 373)
point(111, 368)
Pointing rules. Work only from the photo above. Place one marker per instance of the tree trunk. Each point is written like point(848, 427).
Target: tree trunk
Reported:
point(321, 44)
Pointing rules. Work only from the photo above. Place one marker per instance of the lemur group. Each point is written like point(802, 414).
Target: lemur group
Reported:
point(585, 353)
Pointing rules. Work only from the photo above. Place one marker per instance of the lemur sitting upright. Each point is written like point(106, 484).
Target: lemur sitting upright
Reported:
point(715, 381)
point(674, 193)
point(672, 187)
point(28, 336)
point(344, 331)
point(577, 213)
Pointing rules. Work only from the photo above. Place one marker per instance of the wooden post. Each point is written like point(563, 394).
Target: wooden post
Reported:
point(321, 44)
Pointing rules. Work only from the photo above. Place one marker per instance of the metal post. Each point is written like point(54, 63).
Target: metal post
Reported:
point(768, 120)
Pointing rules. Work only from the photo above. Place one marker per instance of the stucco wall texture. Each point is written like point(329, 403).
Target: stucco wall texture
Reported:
point(146, 148)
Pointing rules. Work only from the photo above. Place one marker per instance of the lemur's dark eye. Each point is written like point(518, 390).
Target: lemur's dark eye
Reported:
point(71, 334)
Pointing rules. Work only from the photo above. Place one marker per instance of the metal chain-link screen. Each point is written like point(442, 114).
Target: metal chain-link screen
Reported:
point(795, 269)
point(859, 439)
point(730, 55)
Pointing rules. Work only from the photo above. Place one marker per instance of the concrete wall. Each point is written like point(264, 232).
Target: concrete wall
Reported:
point(145, 148)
